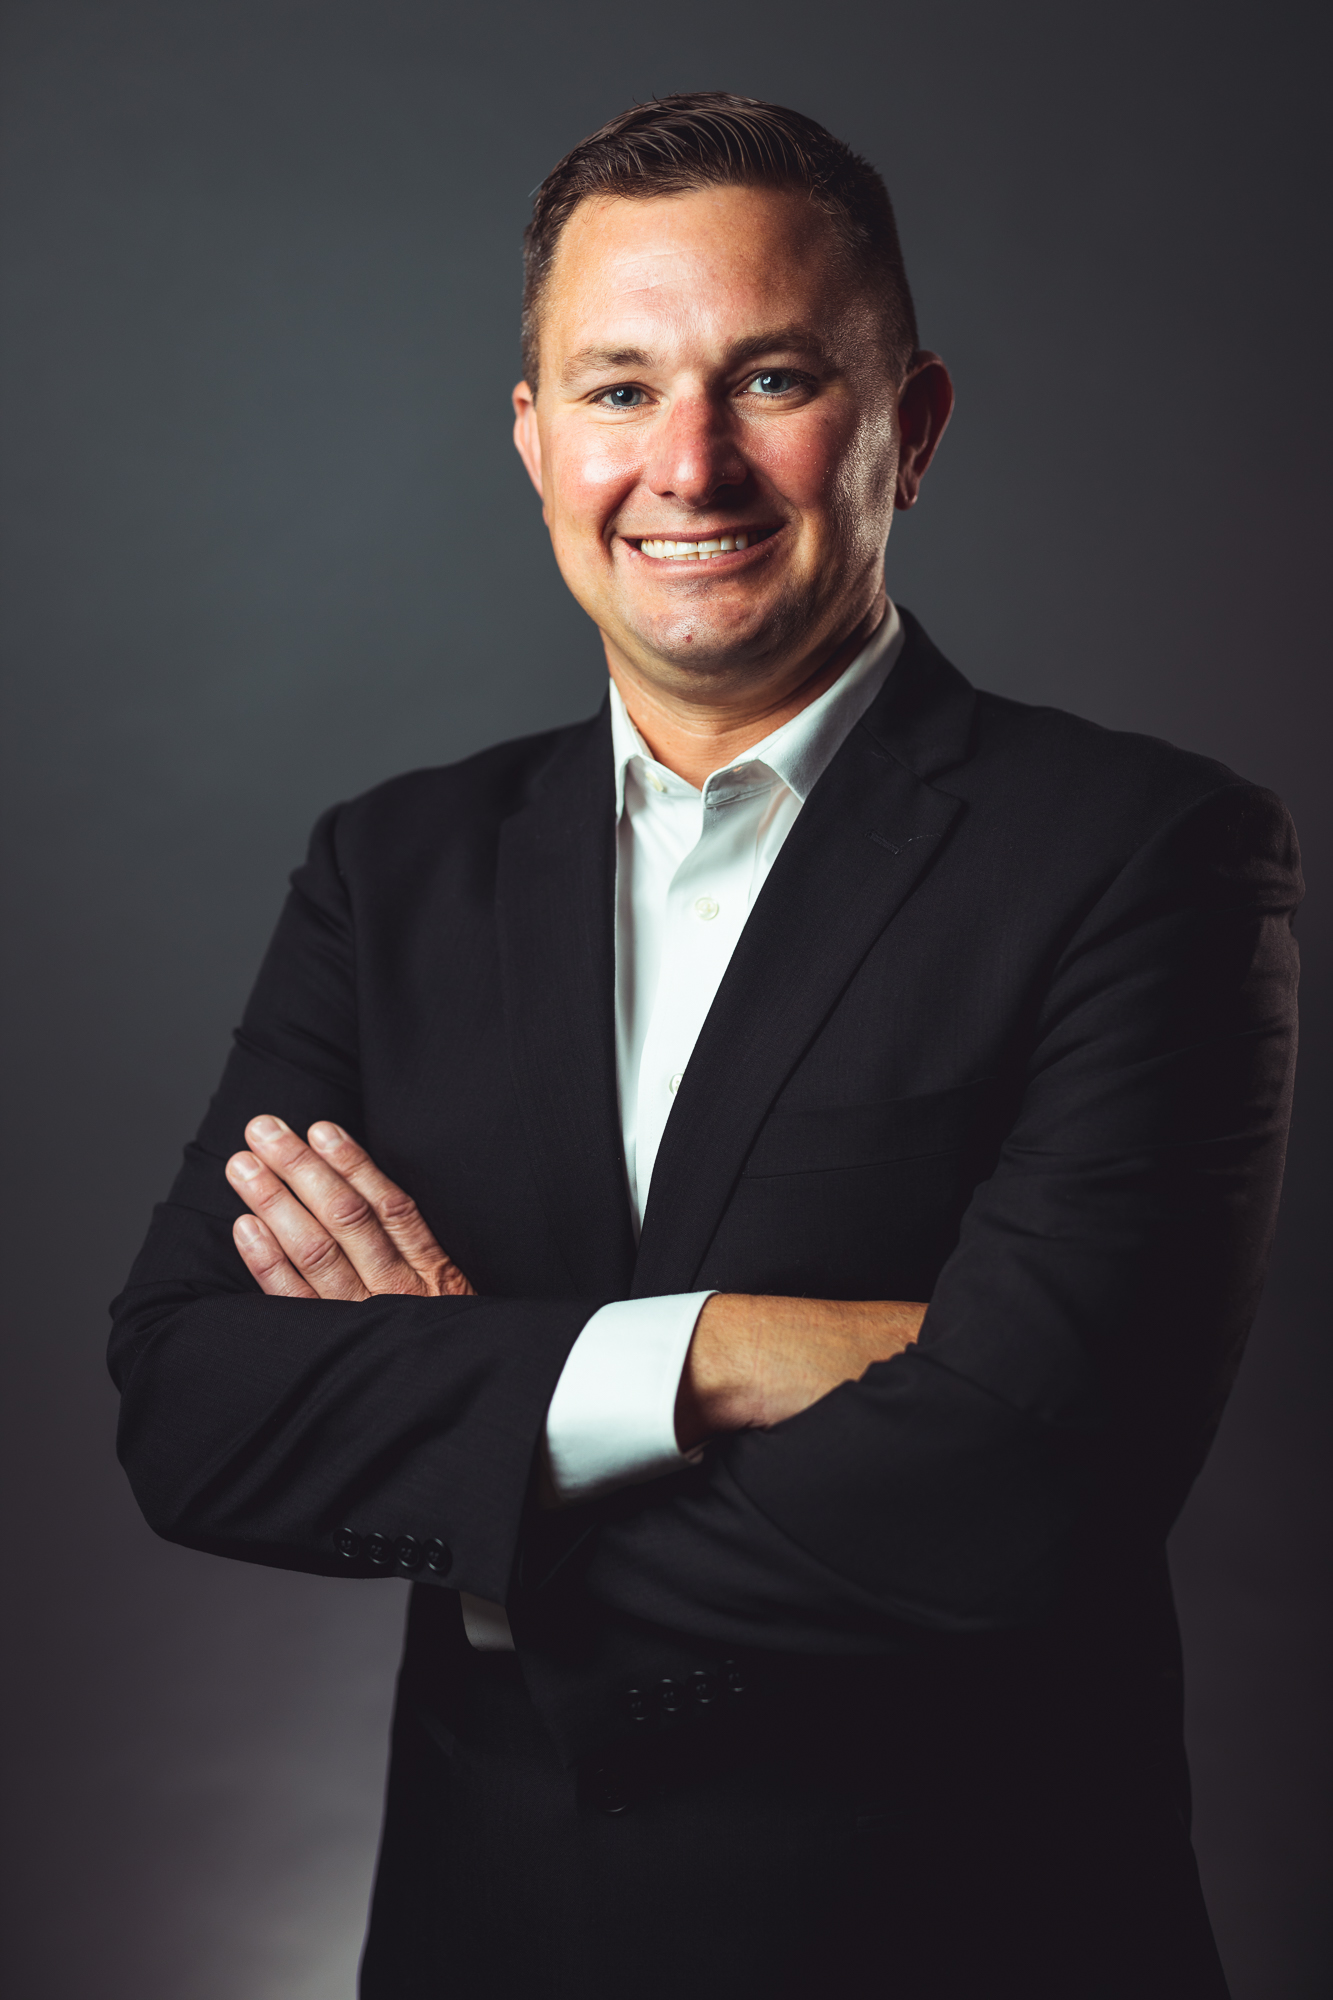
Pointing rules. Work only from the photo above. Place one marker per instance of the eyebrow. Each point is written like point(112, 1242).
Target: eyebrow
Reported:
point(778, 340)
point(605, 357)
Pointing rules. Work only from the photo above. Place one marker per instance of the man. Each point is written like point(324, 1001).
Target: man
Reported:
point(787, 1170)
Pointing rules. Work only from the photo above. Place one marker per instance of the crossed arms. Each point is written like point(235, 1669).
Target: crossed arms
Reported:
point(325, 1223)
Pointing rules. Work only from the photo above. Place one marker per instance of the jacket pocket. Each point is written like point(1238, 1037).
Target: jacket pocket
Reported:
point(823, 1138)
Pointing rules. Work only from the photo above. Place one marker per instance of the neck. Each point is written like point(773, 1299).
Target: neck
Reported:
point(698, 731)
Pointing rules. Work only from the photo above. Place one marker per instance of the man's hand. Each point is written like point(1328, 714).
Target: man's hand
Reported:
point(327, 1224)
point(754, 1361)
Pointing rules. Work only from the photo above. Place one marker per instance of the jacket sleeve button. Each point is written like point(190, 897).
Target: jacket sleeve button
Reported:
point(703, 1686)
point(409, 1552)
point(734, 1677)
point(638, 1705)
point(347, 1544)
point(604, 1785)
point(671, 1697)
point(380, 1550)
point(439, 1556)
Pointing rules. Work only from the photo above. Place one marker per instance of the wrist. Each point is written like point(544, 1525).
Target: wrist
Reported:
point(718, 1382)
point(755, 1361)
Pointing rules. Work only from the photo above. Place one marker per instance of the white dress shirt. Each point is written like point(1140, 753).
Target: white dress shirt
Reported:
point(689, 865)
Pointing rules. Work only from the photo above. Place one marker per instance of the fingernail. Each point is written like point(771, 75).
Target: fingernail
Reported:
point(244, 1164)
point(265, 1128)
point(327, 1134)
point(247, 1231)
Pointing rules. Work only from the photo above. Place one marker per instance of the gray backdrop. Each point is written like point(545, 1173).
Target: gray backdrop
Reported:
point(267, 542)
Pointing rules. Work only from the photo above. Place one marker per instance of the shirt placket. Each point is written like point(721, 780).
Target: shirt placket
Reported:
point(706, 907)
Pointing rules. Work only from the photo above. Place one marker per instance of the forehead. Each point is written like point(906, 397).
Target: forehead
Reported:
point(721, 259)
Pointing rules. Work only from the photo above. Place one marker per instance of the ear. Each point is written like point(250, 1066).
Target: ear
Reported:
point(925, 404)
point(527, 438)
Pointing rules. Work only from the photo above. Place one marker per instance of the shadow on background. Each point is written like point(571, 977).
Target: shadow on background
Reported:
point(266, 543)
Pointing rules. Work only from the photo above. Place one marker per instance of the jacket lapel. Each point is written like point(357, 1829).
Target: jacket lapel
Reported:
point(868, 832)
point(555, 912)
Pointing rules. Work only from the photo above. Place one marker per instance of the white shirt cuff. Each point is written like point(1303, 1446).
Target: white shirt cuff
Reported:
point(612, 1420)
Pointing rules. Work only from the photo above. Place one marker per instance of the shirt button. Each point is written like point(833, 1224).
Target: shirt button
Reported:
point(656, 782)
point(706, 907)
point(676, 1082)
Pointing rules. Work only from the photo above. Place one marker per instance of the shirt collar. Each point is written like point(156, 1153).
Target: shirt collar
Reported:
point(800, 751)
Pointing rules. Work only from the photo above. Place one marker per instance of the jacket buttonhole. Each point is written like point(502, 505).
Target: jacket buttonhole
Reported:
point(897, 846)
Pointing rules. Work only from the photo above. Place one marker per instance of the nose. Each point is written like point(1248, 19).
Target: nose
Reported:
point(695, 453)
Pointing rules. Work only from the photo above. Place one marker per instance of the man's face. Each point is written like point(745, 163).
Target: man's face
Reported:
point(710, 370)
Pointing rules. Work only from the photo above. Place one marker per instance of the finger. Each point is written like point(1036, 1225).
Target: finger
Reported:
point(264, 1259)
point(397, 1213)
point(341, 1209)
point(300, 1236)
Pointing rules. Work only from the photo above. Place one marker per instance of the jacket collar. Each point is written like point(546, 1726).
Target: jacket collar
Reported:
point(924, 715)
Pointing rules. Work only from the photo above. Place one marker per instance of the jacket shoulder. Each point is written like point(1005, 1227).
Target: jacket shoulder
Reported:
point(1063, 772)
point(1054, 783)
point(1067, 751)
point(467, 800)
point(1033, 765)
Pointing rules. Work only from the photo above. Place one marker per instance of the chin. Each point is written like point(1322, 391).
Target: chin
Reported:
point(701, 644)
point(711, 653)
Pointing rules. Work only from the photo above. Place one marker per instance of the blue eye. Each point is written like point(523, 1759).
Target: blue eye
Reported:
point(774, 382)
point(623, 398)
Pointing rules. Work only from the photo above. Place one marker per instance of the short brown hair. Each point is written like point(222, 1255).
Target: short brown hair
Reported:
point(708, 138)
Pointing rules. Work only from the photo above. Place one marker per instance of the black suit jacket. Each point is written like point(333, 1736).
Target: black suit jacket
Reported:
point(1010, 1028)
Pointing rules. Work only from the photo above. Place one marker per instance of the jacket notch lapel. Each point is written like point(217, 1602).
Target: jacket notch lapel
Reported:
point(555, 914)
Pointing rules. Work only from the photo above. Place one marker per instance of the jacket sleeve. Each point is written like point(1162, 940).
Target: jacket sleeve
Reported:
point(394, 1435)
point(1083, 1334)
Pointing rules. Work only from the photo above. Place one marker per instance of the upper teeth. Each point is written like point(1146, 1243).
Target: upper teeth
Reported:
point(720, 545)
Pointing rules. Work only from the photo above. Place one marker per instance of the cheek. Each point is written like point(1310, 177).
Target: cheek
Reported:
point(835, 464)
point(801, 459)
point(862, 488)
point(590, 477)
point(878, 460)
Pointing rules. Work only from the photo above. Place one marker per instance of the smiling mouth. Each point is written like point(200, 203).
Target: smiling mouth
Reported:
point(706, 548)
